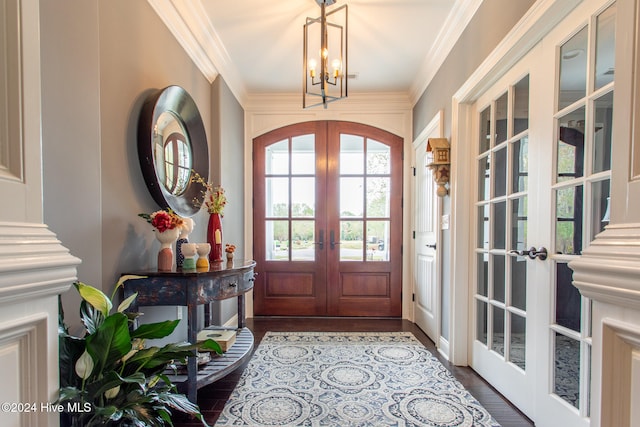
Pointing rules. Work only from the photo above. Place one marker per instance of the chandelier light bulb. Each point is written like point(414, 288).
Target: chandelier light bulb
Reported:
point(312, 67)
point(324, 53)
point(337, 65)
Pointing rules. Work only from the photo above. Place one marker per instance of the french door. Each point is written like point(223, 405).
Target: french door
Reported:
point(328, 221)
point(543, 168)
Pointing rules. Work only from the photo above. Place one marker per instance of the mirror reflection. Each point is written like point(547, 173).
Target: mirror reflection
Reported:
point(172, 153)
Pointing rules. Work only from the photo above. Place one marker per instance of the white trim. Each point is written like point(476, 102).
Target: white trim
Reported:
point(543, 16)
point(609, 268)
point(188, 22)
point(452, 29)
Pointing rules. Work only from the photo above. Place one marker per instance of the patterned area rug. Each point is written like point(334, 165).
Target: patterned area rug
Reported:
point(348, 379)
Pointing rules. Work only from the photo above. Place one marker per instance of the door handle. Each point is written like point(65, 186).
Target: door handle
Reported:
point(431, 246)
point(533, 253)
point(332, 240)
point(320, 241)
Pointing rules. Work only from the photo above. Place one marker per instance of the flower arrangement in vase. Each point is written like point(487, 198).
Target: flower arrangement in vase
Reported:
point(167, 226)
point(215, 200)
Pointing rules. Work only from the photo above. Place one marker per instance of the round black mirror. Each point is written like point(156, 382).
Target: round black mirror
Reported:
point(172, 143)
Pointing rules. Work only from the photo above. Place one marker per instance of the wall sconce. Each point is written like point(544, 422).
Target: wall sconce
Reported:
point(438, 161)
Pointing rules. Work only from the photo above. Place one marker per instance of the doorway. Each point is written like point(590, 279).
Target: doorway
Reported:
point(542, 165)
point(328, 220)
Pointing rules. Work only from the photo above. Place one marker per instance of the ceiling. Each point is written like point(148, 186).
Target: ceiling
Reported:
point(256, 45)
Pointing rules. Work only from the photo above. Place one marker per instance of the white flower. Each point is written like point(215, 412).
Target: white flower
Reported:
point(84, 365)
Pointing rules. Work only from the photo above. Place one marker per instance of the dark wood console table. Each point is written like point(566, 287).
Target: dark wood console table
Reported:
point(193, 288)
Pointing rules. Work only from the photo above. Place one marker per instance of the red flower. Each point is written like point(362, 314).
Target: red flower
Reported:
point(162, 221)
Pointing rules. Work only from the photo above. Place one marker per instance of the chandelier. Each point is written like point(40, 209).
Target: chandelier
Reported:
point(325, 69)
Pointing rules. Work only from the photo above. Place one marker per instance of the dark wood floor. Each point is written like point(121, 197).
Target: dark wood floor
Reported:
point(212, 398)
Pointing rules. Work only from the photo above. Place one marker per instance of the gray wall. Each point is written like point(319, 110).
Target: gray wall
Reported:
point(100, 60)
point(228, 142)
point(491, 23)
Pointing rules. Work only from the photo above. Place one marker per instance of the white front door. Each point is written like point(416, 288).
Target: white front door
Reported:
point(543, 160)
point(427, 298)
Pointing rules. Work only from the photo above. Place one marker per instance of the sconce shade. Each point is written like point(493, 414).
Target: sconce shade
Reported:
point(324, 62)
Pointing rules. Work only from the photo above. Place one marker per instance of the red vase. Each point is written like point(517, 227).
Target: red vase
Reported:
point(214, 237)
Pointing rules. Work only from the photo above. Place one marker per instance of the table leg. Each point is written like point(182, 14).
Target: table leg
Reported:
point(241, 311)
point(192, 362)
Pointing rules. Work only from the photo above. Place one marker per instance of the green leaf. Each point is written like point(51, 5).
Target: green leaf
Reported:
point(95, 297)
point(127, 302)
point(110, 342)
point(155, 330)
point(70, 348)
point(210, 345)
point(91, 317)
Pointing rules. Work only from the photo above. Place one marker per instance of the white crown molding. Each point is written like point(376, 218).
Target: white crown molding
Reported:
point(609, 268)
point(33, 262)
point(454, 25)
point(384, 101)
point(188, 22)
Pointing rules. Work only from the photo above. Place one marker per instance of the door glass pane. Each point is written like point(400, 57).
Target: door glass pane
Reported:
point(498, 277)
point(501, 118)
point(602, 133)
point(302, 236)
point(481, 322)
point(378, 201)
point(599, 207)
point(485, 130)
point(520, 161)
point(605, 46)
point(378, 157)
point(484, 178)
point(499, 224)
point(518, 282)
point(277, 158)
point(351, 237)
point(497, 334)
point(352, 197)
point(570, 149)
point(521, 106)
point(568, 307)
point(351, 154)
point(303, 155)
point(483, 274)
point(573, 69)
point(569, 202)
point(303, 197)
point(500, 173)
point(567, 369)
point(517, 343)
point(519, 223)
point(483, 226)
point(277, 197)
point(277, 240)
point(377, 240)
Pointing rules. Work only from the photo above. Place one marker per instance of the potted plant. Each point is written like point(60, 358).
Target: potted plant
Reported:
point(108, 377)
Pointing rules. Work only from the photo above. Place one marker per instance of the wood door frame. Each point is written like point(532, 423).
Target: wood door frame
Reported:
point(330, 131)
